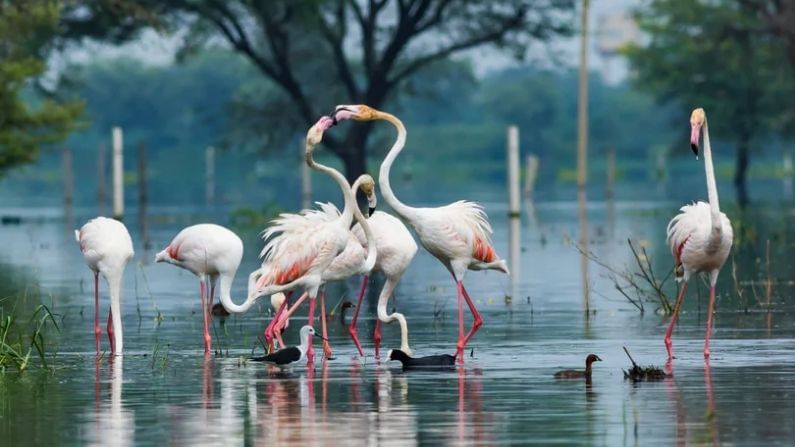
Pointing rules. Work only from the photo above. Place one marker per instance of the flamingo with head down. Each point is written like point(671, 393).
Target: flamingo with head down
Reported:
point(107, 248)
point(700, 236)
point(458, 234)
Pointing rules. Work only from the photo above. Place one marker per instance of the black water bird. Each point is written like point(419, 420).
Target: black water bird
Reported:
point(431, 361)
point(289, 356)
point(578, 374)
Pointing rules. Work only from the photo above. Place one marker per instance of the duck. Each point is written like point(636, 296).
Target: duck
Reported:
point(577, 374)
point(431, 361)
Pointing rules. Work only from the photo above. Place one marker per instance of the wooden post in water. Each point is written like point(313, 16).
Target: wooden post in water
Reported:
point(118, 174)
point(101, 178)
point(209, 179)
point(532, 176)
point(306, 181)
point(514, 227)
point(68, 177)
point(143, 197)
point(582, 102)
point(611, 172)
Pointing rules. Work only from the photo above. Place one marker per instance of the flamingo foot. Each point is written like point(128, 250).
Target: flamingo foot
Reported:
point(355, 337)
point(669, 346)
point(327, 352)
point(377, 339)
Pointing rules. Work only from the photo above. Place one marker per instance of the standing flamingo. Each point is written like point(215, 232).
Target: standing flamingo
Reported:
point(353, 260)
point(297, 260)
point(395, 248)
point(700, 236)
point(458, 234)
point(208, 251)
point(107, 248)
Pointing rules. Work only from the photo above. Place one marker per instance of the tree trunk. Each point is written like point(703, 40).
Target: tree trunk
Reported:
point(741, 170)
point(354, 150)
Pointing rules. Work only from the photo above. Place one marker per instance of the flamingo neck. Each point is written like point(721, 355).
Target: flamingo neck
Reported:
point(712, 189)
point(400, 208)
point(225, 292)
point(350, 201)
point(114, 285)
point(369, 261)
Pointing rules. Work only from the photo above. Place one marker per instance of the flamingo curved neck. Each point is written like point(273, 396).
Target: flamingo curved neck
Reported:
point(712, 189)
point(350, 201)
point(226, 298)
point(400, 208)
point(369, 261)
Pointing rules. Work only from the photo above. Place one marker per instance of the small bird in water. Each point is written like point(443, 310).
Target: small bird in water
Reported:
point(577, 374)
point(219, 311)
point(287, 357)
point(431, 361)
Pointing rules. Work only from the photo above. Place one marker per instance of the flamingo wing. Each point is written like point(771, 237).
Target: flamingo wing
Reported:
point(692, 219)
point(468, 223)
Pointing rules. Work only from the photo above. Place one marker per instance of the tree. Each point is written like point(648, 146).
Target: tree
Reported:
point(323, 52)
point(712, 54)
point(29, 117)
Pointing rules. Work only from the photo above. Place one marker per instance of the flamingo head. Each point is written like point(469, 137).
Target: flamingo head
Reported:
point(315, 133)
point(697, 120)
point(357, 112)
point(368, 188)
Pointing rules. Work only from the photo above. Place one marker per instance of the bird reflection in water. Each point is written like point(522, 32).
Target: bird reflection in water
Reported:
point(711, 415)
point(112, 423)
point(675, 396)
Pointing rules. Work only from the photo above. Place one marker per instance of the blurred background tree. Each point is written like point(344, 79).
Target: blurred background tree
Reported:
point(30, 115)
point(715, 55)
point(323, 52)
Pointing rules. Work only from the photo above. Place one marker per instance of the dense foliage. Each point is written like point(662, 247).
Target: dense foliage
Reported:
point(28, 117)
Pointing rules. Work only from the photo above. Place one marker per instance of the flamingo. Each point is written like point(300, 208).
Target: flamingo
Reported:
point(107, 248)
point(210, 252)
point(457, 234)
point(293, 260)
point(700, 236)
point(395, 248)
point(353, 260)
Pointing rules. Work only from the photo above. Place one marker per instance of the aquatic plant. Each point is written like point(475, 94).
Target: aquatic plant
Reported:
point(636, 285)
point(18, 341)
point(640, 374)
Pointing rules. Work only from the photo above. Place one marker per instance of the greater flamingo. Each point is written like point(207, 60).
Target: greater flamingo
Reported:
point(107, 248)
point(353, 260)
point(210, 252)
point(297, 260)
point(700, 236)
point(458, 234)
point(395, 248)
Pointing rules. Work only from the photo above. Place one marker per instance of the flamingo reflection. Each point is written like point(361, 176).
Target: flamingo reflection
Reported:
point(112, 423)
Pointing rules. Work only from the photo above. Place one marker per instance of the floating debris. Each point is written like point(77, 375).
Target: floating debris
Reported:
point(639, 374)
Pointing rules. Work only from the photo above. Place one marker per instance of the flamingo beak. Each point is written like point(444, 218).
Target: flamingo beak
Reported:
point(695, 133)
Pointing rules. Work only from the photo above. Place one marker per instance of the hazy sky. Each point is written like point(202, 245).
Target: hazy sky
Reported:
point(157, 49)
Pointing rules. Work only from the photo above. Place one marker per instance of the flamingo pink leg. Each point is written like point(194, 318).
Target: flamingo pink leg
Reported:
point(710, 309)
point(110, 332)
point(352, 327)
point(97, 330)
point(205, 314)
point(668, 343)
point(270, 329)
point(478, 321)
point(377, 338)
point(279, 326)
point(326, 347)
point(310, 353)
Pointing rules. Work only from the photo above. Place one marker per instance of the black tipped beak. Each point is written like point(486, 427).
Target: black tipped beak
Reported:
point(320, 337)
point(694, 147)
point(370, 211)
point(333, 114)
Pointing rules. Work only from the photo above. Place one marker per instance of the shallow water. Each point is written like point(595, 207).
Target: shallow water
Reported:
point(165, 391)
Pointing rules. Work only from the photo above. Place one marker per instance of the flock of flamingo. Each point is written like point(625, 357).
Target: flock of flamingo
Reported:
point(306, 250)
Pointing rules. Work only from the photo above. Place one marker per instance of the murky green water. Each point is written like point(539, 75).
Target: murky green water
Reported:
point(165, 392)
